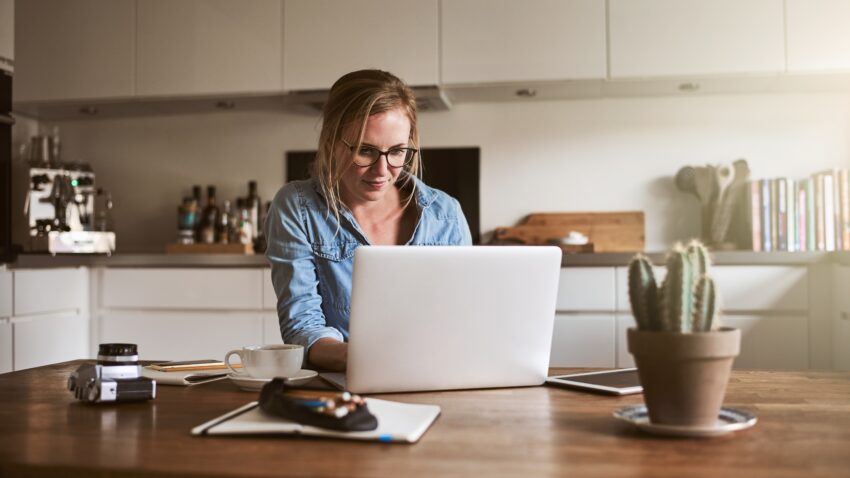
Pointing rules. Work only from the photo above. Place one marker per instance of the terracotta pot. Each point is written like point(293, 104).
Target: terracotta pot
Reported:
point(684, 376)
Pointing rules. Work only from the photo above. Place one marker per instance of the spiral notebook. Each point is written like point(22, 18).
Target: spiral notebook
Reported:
point(397, 422)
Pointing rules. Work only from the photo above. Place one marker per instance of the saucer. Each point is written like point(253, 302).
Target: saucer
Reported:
point(729, 420)
point(251, 384)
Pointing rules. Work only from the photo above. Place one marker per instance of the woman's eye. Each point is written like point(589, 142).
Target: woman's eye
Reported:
point(398, 153)
point(367, 151)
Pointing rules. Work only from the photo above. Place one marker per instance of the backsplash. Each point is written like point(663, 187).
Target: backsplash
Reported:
point(537, 156)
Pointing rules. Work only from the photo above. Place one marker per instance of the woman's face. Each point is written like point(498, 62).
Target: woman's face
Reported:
point(363, 185)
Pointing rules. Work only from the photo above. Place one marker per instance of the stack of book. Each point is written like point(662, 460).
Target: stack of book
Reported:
point(812, 214)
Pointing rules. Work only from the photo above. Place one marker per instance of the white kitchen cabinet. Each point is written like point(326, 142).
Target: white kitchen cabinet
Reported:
point(74, 50)
point(754, 288)
point(486, 41)
point(841, 319)
point(624, 323)
point(150, 288)
point(818, 35)
point(5, 293)
point(196, 47)
point(43, 340)
point(7, 34)
point(743, 288)
point(48, 291)
point(583, 340)
point(269, 295)
point(586, 289)
point(271, 329)
point(6, 347)
point(652, 38)
point(771, 342)
point(176, 335)
point(324, 39)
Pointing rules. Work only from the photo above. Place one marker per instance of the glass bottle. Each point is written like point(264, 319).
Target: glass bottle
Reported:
point(244, 228)
point(254, 205)
point(222, 229)
point(209, 219)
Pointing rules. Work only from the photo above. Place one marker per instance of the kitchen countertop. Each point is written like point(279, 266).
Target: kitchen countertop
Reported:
point(29, 261)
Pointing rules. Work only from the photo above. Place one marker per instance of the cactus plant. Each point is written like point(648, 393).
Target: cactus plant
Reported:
point(685, 302)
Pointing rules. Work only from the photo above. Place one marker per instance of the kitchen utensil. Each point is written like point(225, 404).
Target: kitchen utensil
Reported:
point(685, 180)
point(730, 181)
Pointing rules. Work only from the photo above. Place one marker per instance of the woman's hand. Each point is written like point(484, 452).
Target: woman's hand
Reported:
point(329, 354)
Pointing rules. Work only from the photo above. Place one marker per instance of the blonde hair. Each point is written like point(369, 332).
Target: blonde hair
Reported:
point(352, 100)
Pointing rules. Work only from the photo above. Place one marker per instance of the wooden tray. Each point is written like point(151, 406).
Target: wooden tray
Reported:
point(608, 231)
point(247, 249)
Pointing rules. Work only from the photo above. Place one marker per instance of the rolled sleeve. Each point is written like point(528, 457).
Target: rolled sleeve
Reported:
point(293, 273)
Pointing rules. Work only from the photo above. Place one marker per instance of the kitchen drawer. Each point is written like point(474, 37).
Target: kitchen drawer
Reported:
point(586, 289)
point(624, 358)
point(182, 335)
point(582, 341)
point(5, 346)
point(50, 339)
point(271, 329)
point(743, 288)
point(5, 293)
point(40, 291)
point(269, 295)
point(771, 342)
point(778, 288)
point(182, 289)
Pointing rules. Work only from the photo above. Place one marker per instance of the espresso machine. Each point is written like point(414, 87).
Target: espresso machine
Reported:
point(54, 204)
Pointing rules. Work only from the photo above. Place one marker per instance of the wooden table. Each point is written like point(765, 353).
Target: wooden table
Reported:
point(803, 430)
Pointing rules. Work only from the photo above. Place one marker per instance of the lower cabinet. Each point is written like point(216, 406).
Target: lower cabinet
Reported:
point(624, 358)
point(43, 340)
point(583, 340)
point(165, 335)
point(771, 342)
point(5, 347)
point(271, 329)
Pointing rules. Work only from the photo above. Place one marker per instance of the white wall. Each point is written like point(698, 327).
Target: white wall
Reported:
point(587, 155)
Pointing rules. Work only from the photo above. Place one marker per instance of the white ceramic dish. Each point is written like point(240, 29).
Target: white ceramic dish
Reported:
point(729, 420)
point(250, 384)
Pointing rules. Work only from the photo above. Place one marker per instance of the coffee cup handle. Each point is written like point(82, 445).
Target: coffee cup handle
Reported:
point(227, 361)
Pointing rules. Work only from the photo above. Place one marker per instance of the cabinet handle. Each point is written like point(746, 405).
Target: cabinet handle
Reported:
point(20, 320)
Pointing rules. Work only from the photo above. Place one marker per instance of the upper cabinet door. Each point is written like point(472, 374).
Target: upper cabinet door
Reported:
point(695, 37)
point(818, 35)
point(504, 40)
point(74, 50)
point(324, 39)
point(208, 47)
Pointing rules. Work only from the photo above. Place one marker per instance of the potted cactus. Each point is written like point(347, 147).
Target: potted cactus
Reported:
point(683, 358)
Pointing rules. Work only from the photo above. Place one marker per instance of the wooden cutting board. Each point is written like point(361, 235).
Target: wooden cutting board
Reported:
point(608, 231)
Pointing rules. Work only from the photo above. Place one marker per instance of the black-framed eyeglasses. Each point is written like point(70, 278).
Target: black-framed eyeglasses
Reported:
point(369, 155)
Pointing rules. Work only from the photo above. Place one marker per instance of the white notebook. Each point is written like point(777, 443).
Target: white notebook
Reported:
point(397, 422)
point(184, 378)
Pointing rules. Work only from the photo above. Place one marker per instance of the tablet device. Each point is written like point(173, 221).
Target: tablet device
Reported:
point(614, 382)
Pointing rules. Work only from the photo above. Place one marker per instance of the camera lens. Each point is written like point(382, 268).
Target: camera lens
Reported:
point(117, 354)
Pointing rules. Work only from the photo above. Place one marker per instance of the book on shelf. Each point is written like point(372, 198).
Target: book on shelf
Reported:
point(809, 214)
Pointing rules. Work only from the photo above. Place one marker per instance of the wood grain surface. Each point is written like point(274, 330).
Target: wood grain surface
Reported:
point(803, 430)
point(608, 231)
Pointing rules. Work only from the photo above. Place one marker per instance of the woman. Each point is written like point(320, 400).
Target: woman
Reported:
point(364, 190)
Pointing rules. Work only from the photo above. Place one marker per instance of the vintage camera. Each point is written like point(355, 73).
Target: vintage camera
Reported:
point(117, 377)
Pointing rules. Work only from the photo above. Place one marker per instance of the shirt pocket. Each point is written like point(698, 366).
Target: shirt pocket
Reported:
point(334, 266)
point(335, 252)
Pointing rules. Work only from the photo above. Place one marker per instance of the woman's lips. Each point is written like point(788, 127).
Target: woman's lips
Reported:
point(377, 185)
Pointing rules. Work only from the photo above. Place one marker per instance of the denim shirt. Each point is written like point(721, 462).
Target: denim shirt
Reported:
point(312, 255)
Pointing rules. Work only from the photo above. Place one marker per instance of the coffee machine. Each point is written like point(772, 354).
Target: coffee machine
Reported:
point(54, 204)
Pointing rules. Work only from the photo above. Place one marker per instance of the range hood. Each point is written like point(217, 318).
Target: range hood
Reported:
point(428, 98)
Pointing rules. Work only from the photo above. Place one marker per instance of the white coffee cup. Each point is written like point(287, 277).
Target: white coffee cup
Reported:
point(268, 361)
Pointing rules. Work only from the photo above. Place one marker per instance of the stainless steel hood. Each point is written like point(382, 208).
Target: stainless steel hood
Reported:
point(428, 98)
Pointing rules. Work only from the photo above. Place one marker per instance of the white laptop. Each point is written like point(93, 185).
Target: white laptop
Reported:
point(450, 317)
